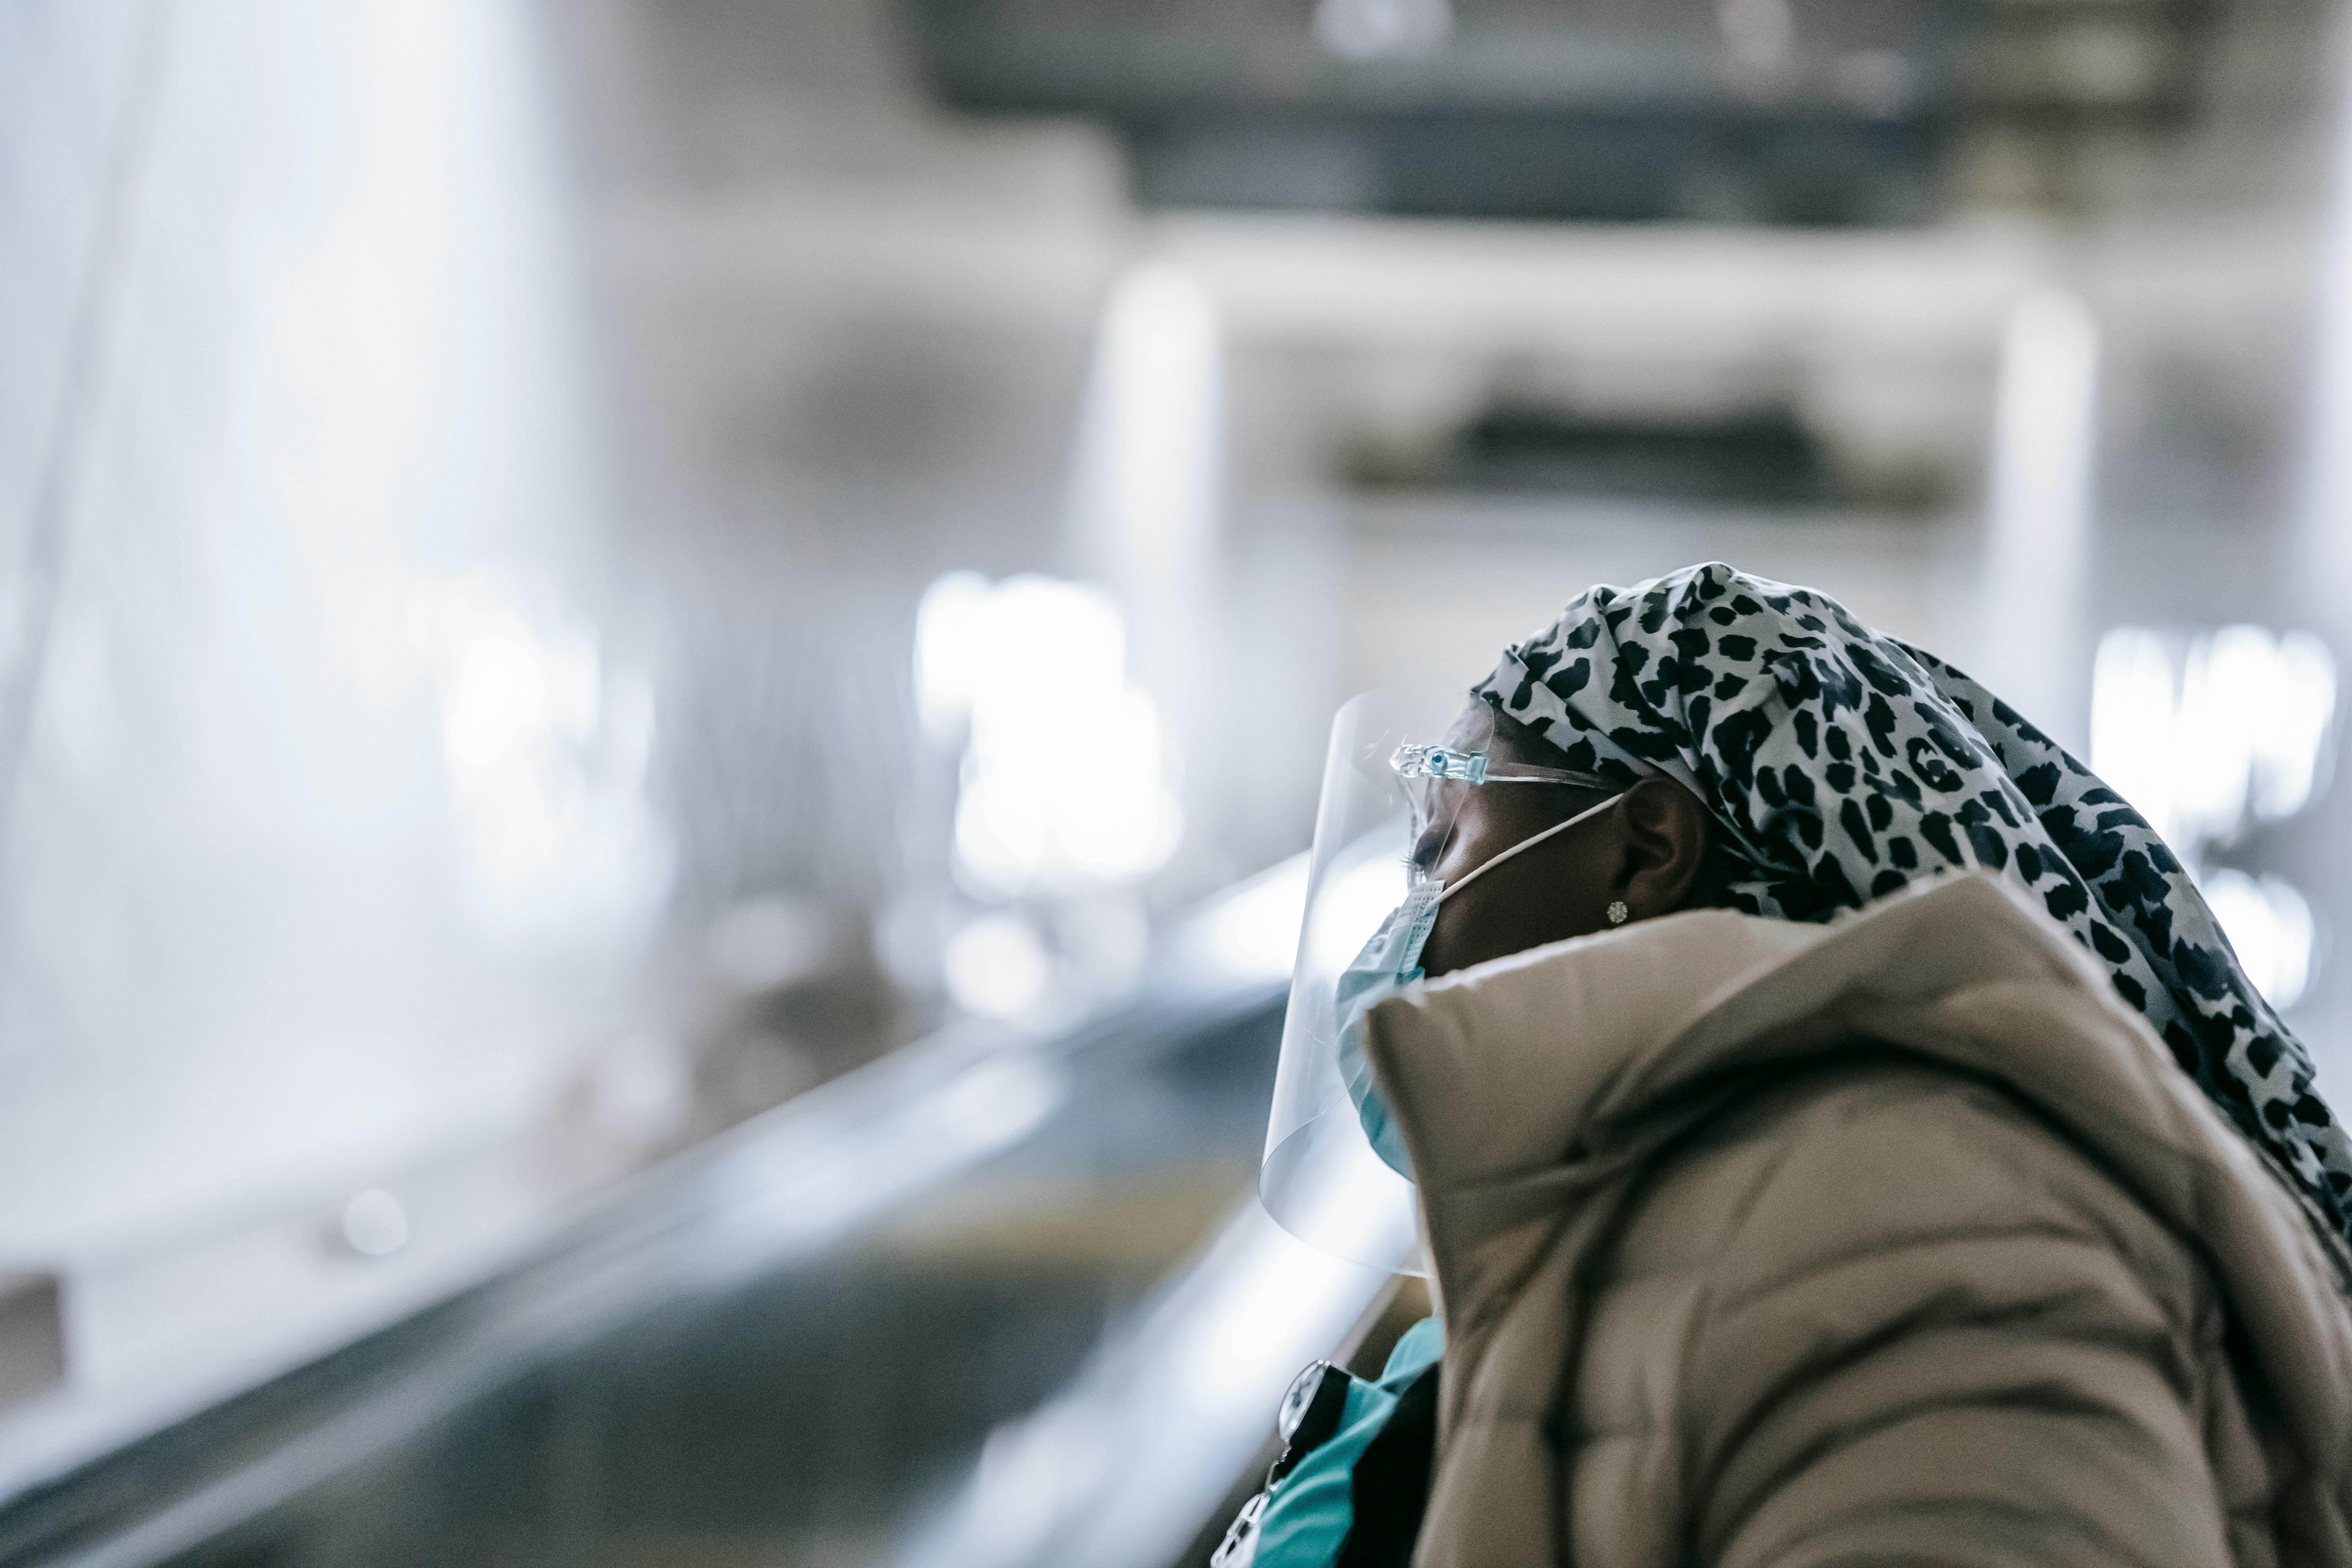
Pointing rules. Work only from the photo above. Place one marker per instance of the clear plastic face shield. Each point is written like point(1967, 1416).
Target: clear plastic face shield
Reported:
point(1400, 769)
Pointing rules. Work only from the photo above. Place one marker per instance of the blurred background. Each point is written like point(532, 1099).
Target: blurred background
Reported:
point(663, 667)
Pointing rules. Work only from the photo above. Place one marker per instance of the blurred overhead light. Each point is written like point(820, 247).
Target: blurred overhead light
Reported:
point(2271, 927)
point(1383, 29)
point(1065, 779)
point(2213, 744)
point(1149, 464)
point(2207, 733)
point(545, 749)
point(2038, 507)
point(2292, 717)
point(1146, 484)
point(2132, 702)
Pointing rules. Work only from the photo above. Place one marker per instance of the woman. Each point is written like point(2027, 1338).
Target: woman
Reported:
point(1842, 1134)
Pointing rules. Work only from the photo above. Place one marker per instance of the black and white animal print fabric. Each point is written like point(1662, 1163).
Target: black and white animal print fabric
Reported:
point(1844, 765)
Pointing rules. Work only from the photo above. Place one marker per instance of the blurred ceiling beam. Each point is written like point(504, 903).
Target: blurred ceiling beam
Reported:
point(1338, 281)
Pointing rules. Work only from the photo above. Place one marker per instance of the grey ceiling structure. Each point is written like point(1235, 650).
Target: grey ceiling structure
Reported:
point(1831, 112)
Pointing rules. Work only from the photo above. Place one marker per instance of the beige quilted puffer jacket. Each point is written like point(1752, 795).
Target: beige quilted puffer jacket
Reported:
point(1898, 1240)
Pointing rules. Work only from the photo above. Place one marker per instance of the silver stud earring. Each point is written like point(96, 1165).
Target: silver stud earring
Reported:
point(1617, 912)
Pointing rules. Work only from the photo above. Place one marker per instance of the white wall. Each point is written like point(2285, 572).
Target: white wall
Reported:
point(324, 843)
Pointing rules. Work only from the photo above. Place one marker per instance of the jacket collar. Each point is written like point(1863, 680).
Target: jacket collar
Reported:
point(1529, 1085)
point(1517, 1063)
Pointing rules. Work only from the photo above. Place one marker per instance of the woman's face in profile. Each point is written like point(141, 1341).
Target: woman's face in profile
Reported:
point(1556, 890)
point(1645, 851)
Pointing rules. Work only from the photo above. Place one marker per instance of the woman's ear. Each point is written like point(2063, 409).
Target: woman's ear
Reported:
point(1664, 847)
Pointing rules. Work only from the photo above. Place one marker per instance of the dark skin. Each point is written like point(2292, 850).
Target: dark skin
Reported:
point(1648, 850)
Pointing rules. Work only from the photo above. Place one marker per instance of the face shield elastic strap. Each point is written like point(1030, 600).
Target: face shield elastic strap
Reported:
point(1524, 845)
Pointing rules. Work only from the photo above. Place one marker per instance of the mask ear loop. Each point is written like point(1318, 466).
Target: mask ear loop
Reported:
point(1524, 845)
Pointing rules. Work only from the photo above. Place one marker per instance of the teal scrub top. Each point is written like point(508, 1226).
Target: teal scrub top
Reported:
point(1310, 1510)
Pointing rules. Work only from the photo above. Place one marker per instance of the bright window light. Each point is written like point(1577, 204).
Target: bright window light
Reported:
point(2270, 925)
point(2209, 732)
point(2213, 745)
point(1066, 779)
point(545, 750)
point(2132, 703)
point(953, 619)
point(2292, 719)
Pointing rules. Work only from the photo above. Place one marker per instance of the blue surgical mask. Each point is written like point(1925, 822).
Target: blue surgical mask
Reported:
point(1389, 962)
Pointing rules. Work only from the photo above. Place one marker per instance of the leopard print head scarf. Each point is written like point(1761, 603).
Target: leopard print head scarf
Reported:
point(1842, 764)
